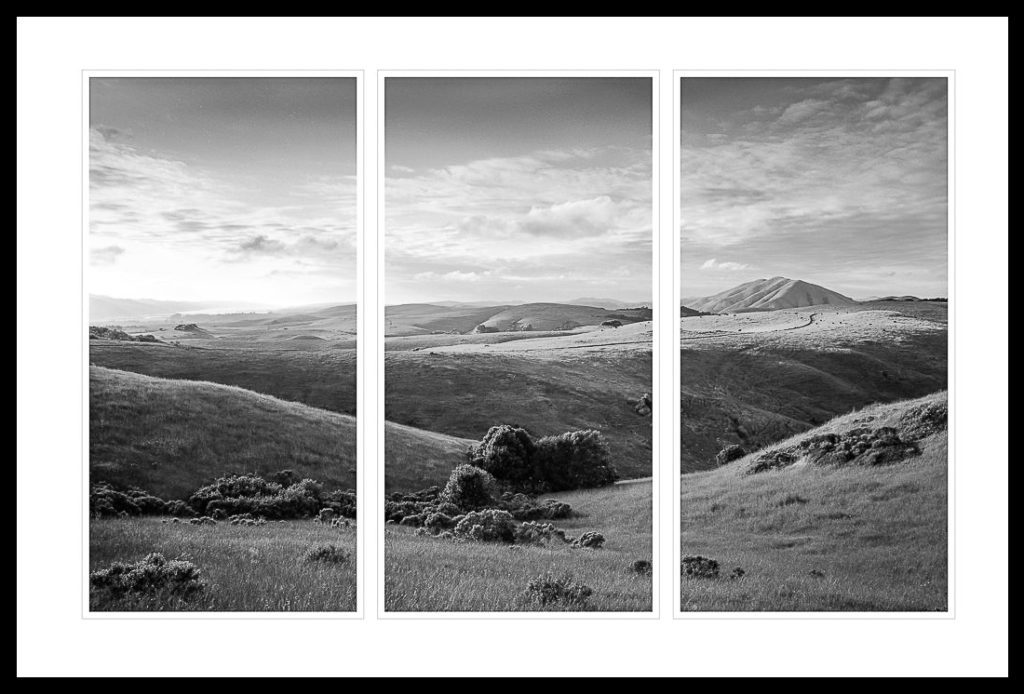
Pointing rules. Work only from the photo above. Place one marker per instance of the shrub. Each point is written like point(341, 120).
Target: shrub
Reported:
point(325, 516)
point(437, 522)
point(178, 509)
point(489, 525)
point(469, 488)
point(574, 460)
point(532, 532)
point(507, 453)
point(642, 567)
point(327, 553)
point(525, 508)
point(696, 566)
point(589, 540)
point(548, 590)
point(737, 573)
point(152, 574)
point(107, 502)
point(729, 454)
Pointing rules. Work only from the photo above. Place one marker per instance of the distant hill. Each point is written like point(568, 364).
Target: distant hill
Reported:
point(169, 436)
point(107, 308)
point(768, 295)
point(420, 319)
point(686, 312)
point(549, 316)
point(606, 303)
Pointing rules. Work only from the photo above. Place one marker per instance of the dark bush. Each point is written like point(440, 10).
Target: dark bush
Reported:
point(642, 567)
point(489, 525)
point(153, 574)
point(469, 488)
point(532, 532)
point(547, 590)
point(729, 454)
point(589, 540)
point(695, 566)
point(574, 460)
point(107, 502)
point(327, 553)
point(178, 509)
point(507, 453)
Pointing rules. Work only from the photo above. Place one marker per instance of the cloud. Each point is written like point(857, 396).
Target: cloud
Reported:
point(107, 255)
point(453, 276)
point(713, 264)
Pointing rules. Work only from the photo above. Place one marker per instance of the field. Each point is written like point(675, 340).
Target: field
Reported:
point(549, 369)
point(821, 538)
point(245, 568)
point(432, 574)
point(218, 395)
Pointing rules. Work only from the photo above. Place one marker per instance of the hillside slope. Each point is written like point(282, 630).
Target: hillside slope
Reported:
point(753, 379)
point(171, 436)
point(823, 532)
point(769, 295)
point(549, 316)
point(417, 459)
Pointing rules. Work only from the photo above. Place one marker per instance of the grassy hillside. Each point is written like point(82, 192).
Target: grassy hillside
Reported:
point(171, 436)
point(744, 381)
point(875, 536)
point(244, 569)
point(324, 378)
point(463, 395)
point(417, 459)
point(432, 574)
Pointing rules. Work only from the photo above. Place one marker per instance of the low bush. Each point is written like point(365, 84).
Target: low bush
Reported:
point(547, 590)
point(151, 575)
point(178, 509)
point(327, 553)
point(469, 488)
point(532, 532)
point(696, 566)
point(641, 567)
point(489, 525)
point(589, 540)
point(729, 454)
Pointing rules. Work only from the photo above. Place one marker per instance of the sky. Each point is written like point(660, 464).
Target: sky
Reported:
point(840, 182)
point(517, 189)
point(233, 191)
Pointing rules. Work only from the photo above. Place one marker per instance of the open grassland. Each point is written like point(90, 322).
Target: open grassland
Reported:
point(756, 378)
point(821, 538)
point(424, 573)
point(243, 568)
point(463, 395)
point(171, 436)
point(324, 377)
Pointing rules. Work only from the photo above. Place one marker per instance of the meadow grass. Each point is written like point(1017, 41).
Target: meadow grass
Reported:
point(244, 568)
point(876, 537)
point(425, 573)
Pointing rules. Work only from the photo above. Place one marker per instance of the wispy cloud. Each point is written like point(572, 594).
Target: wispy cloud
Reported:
point(106, 255)
point(713, 264)
point(580, 216)
point(841, 181)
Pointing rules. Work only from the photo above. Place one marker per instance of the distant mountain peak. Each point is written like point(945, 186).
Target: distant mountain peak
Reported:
point(769, 295)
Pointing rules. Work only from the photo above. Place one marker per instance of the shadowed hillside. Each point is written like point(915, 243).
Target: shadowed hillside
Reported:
point(171, 436)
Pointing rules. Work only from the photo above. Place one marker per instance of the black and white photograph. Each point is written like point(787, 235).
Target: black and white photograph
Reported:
point(814, 341)
point(222, 343)
point(518, 342)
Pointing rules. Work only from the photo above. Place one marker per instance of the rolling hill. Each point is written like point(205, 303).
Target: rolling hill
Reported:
point(171, 436)
point(823, 531)
point(753, 379)
point(768, 295)
point(418, 459)
point(419, 319)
